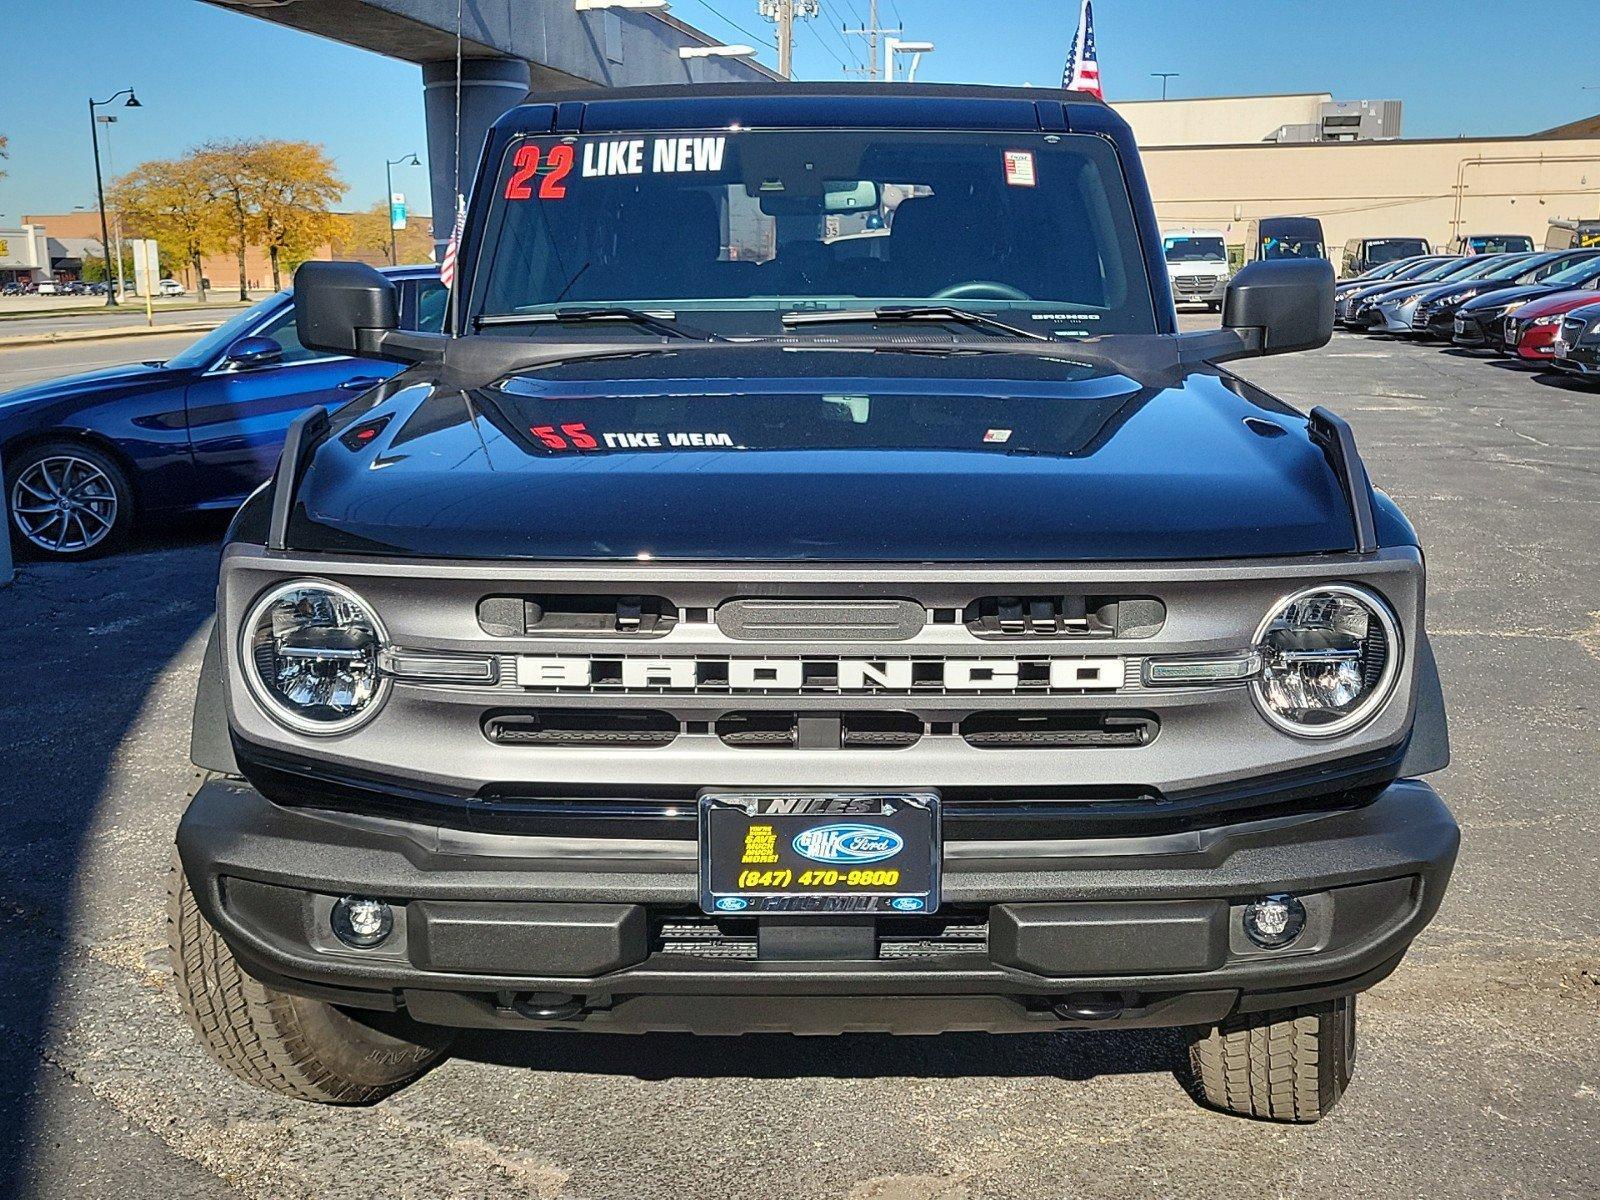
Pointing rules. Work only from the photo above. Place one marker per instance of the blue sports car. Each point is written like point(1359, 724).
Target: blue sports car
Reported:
point(88, 455)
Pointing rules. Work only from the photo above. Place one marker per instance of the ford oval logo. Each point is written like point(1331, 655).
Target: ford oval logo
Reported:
point(848, 843)
point(906, 903)
point(732, 903)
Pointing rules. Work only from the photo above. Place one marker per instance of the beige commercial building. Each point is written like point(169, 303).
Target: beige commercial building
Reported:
point(1208, 166)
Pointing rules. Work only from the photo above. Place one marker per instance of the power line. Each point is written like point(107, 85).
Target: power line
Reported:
point(831, 52)
point(754, 37)
point(838, 32)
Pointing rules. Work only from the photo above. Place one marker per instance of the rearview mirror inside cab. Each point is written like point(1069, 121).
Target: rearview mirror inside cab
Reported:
point(1283, 304)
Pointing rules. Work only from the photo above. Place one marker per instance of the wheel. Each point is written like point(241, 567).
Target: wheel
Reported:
point(286, 1044)
point(1289, 1065)
point(68, 500)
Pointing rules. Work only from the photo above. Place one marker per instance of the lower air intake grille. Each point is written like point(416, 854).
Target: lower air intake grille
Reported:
point(1058, 730)
point(581, 727)
point(898, 938)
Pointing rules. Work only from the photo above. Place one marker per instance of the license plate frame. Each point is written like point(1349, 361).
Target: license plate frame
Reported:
point(752, 862)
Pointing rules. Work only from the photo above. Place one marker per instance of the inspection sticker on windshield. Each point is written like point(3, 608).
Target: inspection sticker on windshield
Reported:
point(1019, 168)
point(997, 435)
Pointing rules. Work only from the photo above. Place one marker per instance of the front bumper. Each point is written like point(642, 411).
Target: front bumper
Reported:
point(1582, 359)
point(494, 929)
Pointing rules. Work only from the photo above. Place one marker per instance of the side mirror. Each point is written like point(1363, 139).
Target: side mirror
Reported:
point(343, 307)
point(350, 308)
point(1281, 305)
point(253, 352)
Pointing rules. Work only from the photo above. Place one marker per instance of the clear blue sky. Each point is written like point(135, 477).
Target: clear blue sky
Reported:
point(1461, 66)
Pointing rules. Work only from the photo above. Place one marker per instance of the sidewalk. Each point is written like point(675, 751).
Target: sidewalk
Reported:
point(112, 331)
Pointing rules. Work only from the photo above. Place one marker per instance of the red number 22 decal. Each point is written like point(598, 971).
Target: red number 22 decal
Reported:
point(526, 163)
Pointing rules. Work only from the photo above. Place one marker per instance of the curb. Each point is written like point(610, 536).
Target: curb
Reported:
point(116, 331)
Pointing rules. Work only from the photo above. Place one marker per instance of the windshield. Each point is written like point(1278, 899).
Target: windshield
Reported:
point(740, 228)
point(1499, 244)
point(1195, 249)
point(202, 353)
point(1419, 270)
point(1584, 270)
point(1389, 249)
point(1277, 246)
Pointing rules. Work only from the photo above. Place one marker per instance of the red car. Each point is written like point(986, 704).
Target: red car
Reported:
point(1531, 327)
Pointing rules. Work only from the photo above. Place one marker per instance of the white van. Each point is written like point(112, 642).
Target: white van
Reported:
point(1197, 265)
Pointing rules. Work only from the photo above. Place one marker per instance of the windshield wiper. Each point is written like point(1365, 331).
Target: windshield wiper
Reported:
point(913, 312)
point(665, 326)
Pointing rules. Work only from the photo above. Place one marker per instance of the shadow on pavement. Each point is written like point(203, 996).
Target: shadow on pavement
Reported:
point(84, 647)
point(654, 1056)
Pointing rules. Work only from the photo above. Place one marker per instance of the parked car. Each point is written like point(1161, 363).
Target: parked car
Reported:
point(689, 635)
point(1362, 254)
point(14, 289)
point(1359, 310)
point(1197, 265)
point(87, 455)
point(1492, 243)
point(1394, 274)
point(1480, 322)
point(1530, 330)
point(1268, 238)
point(1576, 348)
point(169, 287)
point(1435, 313)
point(1394, 311)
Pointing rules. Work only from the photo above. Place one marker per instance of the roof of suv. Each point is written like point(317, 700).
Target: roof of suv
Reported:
point(846, 105)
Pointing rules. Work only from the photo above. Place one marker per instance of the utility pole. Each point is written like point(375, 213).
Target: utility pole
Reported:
point(871, 32)
point(784, 12)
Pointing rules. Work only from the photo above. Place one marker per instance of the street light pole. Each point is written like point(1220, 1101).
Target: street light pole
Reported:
point(1164, 76)
point(99, 183)
point(388, 198)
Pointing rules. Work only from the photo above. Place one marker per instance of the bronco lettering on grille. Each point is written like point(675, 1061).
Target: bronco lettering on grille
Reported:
point(626, 673)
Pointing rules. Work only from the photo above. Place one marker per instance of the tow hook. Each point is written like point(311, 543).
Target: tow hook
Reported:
point(548, 1006)
point(1089, 1006)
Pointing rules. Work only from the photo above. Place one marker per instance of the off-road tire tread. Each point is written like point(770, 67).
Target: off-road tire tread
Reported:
point(257, 1033)
point(1285, 1065)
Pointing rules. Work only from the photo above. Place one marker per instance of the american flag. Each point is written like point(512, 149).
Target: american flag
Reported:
point(447, 265)
point(1083, 65)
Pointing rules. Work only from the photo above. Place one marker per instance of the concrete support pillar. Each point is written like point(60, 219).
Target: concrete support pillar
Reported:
point(489, 86)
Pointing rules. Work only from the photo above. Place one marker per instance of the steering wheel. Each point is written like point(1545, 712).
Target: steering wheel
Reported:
point(973, 289)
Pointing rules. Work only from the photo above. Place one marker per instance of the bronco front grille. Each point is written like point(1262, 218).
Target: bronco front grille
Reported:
point(696, 936)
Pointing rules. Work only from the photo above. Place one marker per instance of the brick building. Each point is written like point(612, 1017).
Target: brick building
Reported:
point(221, 270)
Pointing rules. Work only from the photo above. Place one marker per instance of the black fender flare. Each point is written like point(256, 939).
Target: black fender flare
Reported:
point(1429, 747)
point(210, 743)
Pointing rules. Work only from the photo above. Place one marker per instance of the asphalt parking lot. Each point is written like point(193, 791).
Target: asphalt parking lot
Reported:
point(1479, 1062)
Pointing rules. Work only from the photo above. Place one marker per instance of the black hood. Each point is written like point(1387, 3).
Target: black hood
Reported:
point(782, 453)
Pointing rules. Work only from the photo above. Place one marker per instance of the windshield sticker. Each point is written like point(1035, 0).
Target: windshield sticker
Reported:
point(650, 156)
point(997, 435)
point(1019, 168)
point(526, 165)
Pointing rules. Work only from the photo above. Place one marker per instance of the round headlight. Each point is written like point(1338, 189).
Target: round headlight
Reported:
point(1330, 655)
point(310, 653)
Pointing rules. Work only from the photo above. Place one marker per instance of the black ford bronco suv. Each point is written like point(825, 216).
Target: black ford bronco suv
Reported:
point(811, 586)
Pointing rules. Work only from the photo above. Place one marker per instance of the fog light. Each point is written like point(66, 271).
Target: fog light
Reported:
point(1274, 921)
point(361, 923)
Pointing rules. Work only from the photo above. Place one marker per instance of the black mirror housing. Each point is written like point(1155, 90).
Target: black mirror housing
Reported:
point(1282, 305)
point(343, 307)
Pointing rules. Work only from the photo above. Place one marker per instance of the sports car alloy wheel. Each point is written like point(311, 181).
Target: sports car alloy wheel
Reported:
point(64, 504)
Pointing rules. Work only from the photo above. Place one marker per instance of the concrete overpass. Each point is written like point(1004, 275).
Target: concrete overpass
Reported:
point(509, 47)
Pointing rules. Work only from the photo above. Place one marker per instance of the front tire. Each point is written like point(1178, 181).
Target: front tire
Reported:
point(285, 1044)
point(1287, 1065)
point(67, 500)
